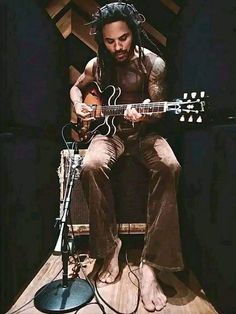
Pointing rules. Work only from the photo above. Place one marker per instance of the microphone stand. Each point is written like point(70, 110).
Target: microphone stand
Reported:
point(66, 294)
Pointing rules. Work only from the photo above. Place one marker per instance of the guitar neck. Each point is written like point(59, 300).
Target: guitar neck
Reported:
point(153, 107)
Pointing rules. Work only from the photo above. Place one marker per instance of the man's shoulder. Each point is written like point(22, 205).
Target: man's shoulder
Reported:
point(152, 60)
point(90, 68)
point(92, 62)
point(151, 55)
point(146, 51)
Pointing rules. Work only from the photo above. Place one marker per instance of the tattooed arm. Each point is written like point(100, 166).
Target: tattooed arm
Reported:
point(157, 84)
point(156, 90)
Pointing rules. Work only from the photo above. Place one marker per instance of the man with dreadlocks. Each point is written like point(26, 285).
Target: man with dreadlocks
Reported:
point(123, 61)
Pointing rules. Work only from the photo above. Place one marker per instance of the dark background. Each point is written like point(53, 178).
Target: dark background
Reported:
point(33, 108)
point(34, 105)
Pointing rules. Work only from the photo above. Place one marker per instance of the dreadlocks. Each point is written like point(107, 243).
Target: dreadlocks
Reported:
point(117, 11)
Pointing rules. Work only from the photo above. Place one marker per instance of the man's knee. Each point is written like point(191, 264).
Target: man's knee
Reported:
point(170, 168)
point(93, 166)
point(176, 167)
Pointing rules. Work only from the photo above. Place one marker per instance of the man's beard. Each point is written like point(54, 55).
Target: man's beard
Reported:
point(122, 56)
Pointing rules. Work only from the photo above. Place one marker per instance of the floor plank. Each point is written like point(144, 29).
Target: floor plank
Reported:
point(184, 296)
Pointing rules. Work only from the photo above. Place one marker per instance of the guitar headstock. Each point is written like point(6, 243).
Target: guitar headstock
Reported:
point(192, 107)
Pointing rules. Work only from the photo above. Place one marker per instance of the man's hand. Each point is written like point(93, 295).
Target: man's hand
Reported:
point(133, 115)
point(83, 111)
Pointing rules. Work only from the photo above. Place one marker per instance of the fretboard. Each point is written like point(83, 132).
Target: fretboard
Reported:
point(153, 107)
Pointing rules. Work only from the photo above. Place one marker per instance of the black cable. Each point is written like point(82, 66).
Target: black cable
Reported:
point(92, 303)
point(91, 286)
point(131, 271)
point(138, 298)
point(86, 277)
point(62, 134)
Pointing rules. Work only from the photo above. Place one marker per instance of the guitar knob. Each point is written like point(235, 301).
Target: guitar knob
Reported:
point(202, 94)
point(185, 96)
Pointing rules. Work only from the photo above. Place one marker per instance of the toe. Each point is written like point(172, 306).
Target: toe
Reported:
point(102, 276)
point(149, 306)
point(106, 277)
point(159, 304)
point(109, 279)
point(163, 298)
point(112, 277)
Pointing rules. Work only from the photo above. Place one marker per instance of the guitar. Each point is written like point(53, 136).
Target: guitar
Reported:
point(189, 109)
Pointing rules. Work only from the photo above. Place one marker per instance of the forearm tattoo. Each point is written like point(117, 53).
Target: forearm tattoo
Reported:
point(157, 81)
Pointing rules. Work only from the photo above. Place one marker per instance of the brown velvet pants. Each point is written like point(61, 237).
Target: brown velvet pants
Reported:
point(162, 246)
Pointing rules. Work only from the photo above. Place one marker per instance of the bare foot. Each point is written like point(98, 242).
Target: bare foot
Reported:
point(110, 268)
point(152, 295)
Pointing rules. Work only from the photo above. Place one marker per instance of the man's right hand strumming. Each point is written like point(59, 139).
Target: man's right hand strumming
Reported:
point(83, 111)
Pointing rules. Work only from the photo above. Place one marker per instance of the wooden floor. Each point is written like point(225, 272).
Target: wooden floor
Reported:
point(182, 289)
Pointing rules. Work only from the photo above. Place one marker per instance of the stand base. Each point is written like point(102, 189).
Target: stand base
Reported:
point(54, 298)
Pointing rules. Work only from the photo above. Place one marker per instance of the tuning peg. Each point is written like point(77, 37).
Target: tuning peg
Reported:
point(182, 118)
point(190, 119)
point(199, 119)
point(185, 96)
point(202, 94)
point(193, 95)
